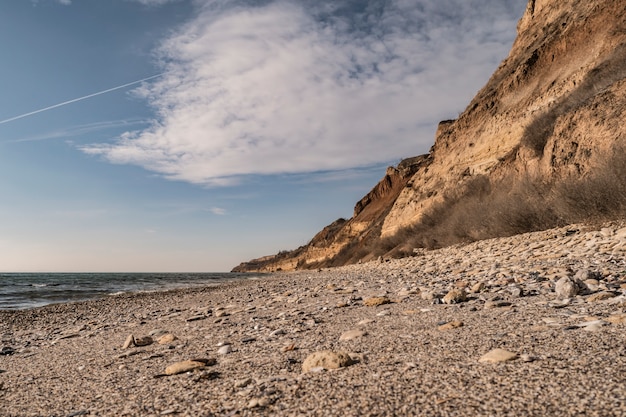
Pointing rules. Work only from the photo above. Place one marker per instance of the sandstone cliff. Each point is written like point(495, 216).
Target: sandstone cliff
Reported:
point(541, 144)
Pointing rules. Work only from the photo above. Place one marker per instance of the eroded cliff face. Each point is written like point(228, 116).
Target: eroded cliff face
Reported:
point(555, 104)
point(348, 236)
point(553, 110)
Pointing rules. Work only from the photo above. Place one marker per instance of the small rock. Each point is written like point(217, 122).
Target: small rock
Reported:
point(327, 360)
point(478, 287)
point(225, 350)
point(593, 327)
point(184, 366)
point(566, 288)
point(592, 285)
point(455, 296)
point(166, 339)
point(243, 382)
point(376, 301)
point(258, 402)
point(288, 348)
point(617, 319)
point(603, 295)
point(190, 365)
point(515, 291)
point(352, 334)
point(495, 304)
point(277, 332)
point(196, 318)
point(410, 312)
point(7, 350)
point(451, 325)
point(143, 341)
point(584, 275)
point(405, 292)
point(498, 355)
point(130, 341)
point(156, 333)
point(527, 358)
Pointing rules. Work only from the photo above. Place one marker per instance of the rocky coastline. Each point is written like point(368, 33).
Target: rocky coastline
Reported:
point(530, 325)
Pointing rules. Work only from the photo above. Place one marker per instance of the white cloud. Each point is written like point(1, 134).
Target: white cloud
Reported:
point(154, 2)
point(218, 211)
point(285, 88)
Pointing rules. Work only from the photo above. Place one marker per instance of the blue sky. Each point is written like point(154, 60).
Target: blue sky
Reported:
point(266, 120)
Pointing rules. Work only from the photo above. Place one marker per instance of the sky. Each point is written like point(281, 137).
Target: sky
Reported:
point(192, 135)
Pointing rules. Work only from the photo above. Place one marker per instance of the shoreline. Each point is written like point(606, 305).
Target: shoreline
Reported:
point(410, 352)
point(33, 290)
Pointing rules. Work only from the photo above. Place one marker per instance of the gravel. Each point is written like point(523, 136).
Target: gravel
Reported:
point(403, 350)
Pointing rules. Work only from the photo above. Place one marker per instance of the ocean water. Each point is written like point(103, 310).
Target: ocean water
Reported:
point(22, 291)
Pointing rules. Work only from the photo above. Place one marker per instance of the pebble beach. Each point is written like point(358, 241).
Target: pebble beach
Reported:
point(529, 325)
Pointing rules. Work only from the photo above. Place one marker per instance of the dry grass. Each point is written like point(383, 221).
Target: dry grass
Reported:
point(484, 210)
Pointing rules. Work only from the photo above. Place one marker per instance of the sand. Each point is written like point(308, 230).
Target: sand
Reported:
point(535, 326)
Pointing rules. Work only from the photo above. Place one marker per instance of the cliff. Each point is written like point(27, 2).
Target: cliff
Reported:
point(540, 145)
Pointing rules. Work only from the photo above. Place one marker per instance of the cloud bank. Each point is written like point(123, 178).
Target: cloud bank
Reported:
point(272, 87)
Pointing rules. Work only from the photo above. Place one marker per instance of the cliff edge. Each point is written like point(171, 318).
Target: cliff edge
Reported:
point(540, 145)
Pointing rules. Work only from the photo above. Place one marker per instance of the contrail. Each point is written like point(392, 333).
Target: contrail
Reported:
point(21, 116)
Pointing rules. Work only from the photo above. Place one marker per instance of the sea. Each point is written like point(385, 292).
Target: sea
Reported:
point(29, 290)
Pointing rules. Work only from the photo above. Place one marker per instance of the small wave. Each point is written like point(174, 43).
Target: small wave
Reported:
point(113, 294)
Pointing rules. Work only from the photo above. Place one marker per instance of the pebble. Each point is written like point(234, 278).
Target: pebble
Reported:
point(189, 365)
point(258, 402)
point(243, 382)
point(495, 304)
point(130, 342)
point(566, 288)
point(599, 296)
point(156, 333)
point(594, 327)
point(376, 301)
point(326, 359)
point(143, 341)
point(196, 318)
point(455, 296)
point(498, 355)
point(451, 325)
point(225, 350)
point(617, 319)
point(478, 287)
point(166, 339)
point(7, 350)
point(352, 334)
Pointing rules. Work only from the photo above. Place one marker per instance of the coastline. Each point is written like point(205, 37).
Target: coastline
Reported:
point(413, 353)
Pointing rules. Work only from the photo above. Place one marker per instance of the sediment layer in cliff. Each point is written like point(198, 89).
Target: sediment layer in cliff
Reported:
point(542, 144)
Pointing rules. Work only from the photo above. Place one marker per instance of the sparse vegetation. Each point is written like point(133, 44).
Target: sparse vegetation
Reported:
point(512, 206)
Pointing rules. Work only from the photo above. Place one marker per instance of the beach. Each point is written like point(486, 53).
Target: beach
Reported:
point(529, 325)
